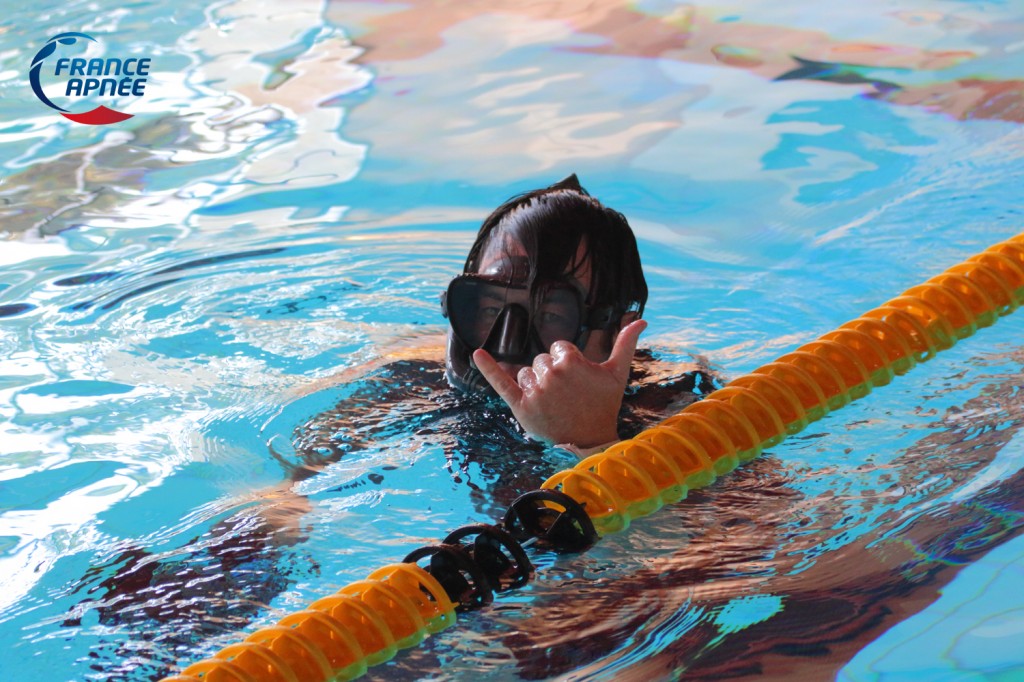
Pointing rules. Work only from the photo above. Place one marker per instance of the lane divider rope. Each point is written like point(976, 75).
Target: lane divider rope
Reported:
point(395, 607)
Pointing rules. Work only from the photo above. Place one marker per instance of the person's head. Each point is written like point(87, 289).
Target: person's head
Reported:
point(551, 264)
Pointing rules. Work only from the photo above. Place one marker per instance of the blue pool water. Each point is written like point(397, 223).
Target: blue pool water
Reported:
point(182, 294)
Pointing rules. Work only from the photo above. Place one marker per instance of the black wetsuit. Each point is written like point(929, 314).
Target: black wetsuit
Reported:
point(218, 582)
point(412, 397)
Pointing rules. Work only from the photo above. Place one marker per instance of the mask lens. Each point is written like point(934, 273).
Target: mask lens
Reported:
point(474, 305)
point(559, 316)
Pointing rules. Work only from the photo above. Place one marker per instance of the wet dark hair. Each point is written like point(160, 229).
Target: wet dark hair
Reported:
point(551, 223)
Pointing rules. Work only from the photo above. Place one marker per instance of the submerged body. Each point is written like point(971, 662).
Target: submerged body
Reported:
point(410, 396)
point(220, 581)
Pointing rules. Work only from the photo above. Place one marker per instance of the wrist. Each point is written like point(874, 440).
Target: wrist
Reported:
point(584, 452)
point(596, 438)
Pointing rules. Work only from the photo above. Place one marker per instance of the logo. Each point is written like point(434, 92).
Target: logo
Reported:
point(79, 79)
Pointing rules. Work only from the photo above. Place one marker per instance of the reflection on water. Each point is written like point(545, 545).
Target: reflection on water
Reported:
point(202, 310)
point(780, 583)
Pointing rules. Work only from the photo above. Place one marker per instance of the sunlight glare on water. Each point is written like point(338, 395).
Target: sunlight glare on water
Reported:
point(188, 296)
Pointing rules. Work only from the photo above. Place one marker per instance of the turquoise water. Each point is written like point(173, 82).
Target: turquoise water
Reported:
point(181, 292)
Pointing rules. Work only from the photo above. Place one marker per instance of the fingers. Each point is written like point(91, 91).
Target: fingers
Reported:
point(503, 384)
point(527, 379)
point(542, 365)
point(624, 349)
point(562, 351)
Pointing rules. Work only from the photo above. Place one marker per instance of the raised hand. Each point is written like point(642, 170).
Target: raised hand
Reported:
point(564, 397)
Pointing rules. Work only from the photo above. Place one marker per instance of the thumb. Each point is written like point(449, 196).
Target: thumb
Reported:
point(503, 384)
point(624, 349)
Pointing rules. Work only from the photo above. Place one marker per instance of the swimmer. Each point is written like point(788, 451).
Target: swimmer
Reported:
point(547, 314)
point(543, 320)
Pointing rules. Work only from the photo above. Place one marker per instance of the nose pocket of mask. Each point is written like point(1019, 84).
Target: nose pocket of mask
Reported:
point(512, 338)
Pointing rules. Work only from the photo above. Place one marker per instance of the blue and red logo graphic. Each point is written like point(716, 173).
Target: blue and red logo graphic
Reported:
point(88, 79)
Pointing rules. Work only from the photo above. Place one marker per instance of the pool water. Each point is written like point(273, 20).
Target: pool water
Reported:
point(185, 294)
